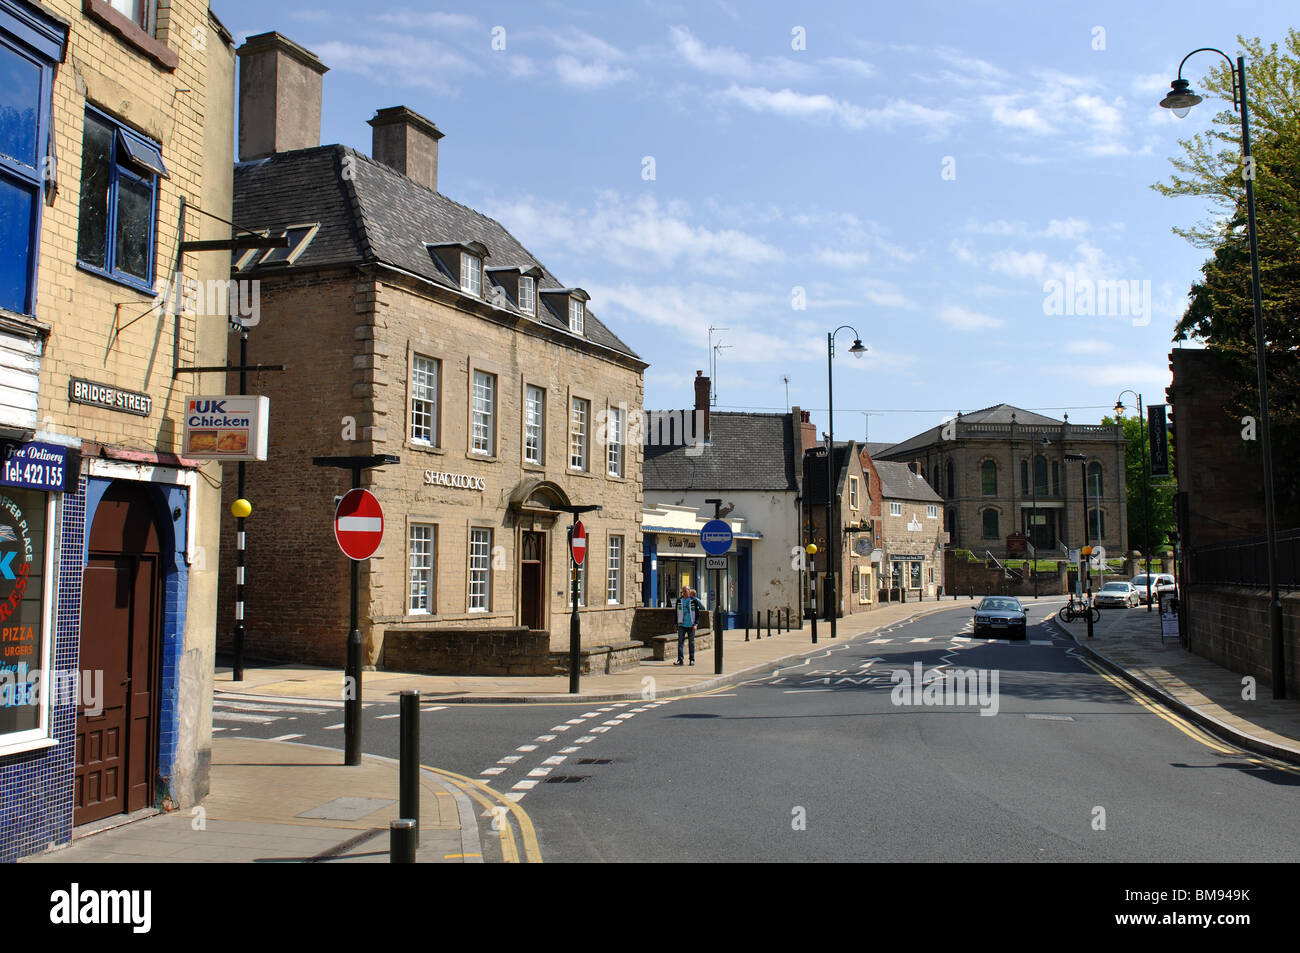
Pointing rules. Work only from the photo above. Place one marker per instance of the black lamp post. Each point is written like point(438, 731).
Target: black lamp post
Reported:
point(1146, 486)
point(1180, 99)
point(832, 550)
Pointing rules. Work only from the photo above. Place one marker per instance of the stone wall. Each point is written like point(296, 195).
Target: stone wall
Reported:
point(1229, 626)
point(504, 651)
point(963, 577)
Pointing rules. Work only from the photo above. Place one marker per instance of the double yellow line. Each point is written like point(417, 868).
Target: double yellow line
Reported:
point(1195, 732)
point(493, 802)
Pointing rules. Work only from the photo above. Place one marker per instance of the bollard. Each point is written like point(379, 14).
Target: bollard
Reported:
point(746, 614)
point(769, 623)
point(814, 626)
point(401, 840)
point(758, 625)
point(408, 784)
point(972, 592)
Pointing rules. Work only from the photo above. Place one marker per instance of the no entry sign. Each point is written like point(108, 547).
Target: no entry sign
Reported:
point(578, 542)
point(359, 524)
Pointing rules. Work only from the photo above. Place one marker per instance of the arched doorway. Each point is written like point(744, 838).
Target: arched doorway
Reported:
point(534, 505)
point(121, 617)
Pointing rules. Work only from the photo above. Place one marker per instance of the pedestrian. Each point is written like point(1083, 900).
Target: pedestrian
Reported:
point(688, 617)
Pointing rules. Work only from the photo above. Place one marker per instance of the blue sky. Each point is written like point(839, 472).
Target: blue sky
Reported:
point(921, 172)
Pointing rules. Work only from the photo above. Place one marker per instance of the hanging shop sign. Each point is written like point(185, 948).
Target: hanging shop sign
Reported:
point(37, 466)
point(109, 397)
point(226, 427)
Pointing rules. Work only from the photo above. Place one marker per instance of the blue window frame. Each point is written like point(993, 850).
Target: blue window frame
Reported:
point(116, 227)
point(30, 45)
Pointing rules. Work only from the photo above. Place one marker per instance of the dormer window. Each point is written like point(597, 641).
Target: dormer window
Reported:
point(527, 296)
point(471, 274)
point(577, 315)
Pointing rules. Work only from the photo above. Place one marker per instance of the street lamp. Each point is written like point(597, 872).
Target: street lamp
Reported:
point(857, 350)
point(1146, 485)
point(1180, 99)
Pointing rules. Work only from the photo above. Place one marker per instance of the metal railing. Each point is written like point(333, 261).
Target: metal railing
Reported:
point(1244, 562)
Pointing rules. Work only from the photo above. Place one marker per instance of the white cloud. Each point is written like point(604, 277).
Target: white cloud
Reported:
point(851, 66)
point(963, 319)
point(419, 19)
point(839, 258)
point(733, 64)
point(579, 43)
point(593, 75)
point(788, 102)
point(1089, 346)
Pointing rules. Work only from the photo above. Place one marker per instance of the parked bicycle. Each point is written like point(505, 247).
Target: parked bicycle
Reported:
point(1079, 609)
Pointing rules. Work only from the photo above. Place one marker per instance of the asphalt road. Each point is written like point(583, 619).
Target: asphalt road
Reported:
point(832, 760)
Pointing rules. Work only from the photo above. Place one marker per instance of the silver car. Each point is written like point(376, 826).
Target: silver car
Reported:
point(1115, 594)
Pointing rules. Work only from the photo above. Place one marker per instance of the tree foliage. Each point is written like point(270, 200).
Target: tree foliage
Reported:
point(1221, 309)
point(1162, 491)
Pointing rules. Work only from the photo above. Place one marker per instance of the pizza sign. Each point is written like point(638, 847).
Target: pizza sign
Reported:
point(226, 427)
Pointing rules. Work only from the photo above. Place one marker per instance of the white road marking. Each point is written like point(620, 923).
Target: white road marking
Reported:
point(527, 748)
point(555, 759)
point(524, 785)
point(559, 728)
point(282, 737)
point(575, 721)
point(492, 771)
point(601, 730)
point(510, 759)
point(804, 691)
point(568, 750)
point(590, 714)
point(544, 738)
point(386, 717)
point(1040, 641)
point(925, 639)
point(435, 708)
point(539, 772)
point(236, 716)
point(584, 739)
point(515, 796)
point(334, 727)
point(878, 641)
point(612, 721)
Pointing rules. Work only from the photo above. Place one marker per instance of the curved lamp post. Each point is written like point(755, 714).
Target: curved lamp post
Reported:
point(1180, 99)
point(1146, 485)
point(832, 551)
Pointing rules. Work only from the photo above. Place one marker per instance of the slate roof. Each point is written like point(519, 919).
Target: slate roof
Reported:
point(376, 214)
point(745, 452)
point(814, 472)
point(997, 414)
point(898, 482)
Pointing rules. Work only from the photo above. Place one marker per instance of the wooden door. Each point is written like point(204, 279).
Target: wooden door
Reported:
point(116, 752)
point(530, 580)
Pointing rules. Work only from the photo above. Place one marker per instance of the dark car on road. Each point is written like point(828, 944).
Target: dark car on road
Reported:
point(1002, 616)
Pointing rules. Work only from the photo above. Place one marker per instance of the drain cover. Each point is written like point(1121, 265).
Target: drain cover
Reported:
point(595, 761)
point(566, 778)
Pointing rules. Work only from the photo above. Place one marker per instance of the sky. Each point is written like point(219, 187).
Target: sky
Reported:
point(951, 180)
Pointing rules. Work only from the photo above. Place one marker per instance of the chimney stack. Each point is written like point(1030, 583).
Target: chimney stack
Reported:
point(702, 384)
point(404, 140)
point(279, 96)
point(807, 431)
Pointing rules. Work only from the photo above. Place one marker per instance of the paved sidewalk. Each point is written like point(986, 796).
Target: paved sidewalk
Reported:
point(741, 660)
point(1128, 641)
point(277, 802)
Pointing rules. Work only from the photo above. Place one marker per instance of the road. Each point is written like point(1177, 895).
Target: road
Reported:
point(833, 760)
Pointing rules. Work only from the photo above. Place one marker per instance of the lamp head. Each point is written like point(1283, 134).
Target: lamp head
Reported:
point(858, 348)
point(1119, 408)
point(1180, 98)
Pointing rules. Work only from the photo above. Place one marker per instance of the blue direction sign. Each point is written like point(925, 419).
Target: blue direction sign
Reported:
point(715, 537)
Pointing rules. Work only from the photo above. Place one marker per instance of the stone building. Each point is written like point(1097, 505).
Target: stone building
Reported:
point(980, 464)
point(911, 534)
point(411, 325)
point(115, 148)
point(749, 462)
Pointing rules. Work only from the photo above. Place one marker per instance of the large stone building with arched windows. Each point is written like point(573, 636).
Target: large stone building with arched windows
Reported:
point(1004, 471)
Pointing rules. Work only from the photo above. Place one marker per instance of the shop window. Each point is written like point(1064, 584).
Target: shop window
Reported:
point(27, 686)
point(120, 170)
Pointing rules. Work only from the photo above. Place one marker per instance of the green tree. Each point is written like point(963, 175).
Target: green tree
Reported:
point(1220, 312)
point(1162, 491)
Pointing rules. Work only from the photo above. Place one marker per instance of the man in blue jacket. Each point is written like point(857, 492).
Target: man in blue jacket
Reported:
point(688, 617)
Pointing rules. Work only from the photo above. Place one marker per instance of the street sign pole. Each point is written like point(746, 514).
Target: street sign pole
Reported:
point(575, 627)
point(716, 527)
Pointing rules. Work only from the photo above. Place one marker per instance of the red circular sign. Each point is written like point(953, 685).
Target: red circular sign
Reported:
point(359, 524)
point(578, 543)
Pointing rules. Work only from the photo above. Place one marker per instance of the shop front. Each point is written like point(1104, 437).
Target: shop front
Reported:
point(674, 560)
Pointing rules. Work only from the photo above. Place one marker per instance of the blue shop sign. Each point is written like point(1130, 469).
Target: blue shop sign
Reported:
point(37, 466)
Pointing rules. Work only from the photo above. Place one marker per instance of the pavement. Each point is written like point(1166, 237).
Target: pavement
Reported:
point(1129, 643)
point(281, 802)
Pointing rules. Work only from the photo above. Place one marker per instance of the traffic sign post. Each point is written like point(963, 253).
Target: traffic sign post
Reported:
point(715, 539)
point(358, 529)
point(577, 555)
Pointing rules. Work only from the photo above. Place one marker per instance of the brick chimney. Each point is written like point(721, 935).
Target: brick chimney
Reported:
point(404, 140)
point(702, 385)
point(807, 431)
point(279, 96)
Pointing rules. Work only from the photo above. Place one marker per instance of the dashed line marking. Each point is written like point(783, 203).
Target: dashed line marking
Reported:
point(527, 748)
point(559, 728)
point(583, 740)
point(544, 738)
point(281, 737)
point(490, 772)
point(568, 750)
point(575, 721)
point(334, 727)
point(524, 785)
point(601, 730)
point(539, 772)
point(555, 759)
point(386, 717)
point(510, 759)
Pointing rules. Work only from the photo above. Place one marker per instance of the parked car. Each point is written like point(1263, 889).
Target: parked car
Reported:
point(1115, 594)
point(1000, 615)
point(1161, 582)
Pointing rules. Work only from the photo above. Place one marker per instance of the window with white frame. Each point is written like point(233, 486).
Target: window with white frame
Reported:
point(853, 492)
point(420, 568)
point(534, 424)
point(484, 413)
point(480, 568)
point(614, 574)
point(471, 274)
point(578, 415)
point(895, 509)
point(614, 438)
point(932, 512)
point(527, 296)
point(424, 400)
point(577, 315)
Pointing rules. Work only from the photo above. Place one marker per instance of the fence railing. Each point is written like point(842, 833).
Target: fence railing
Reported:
point(1244, 562)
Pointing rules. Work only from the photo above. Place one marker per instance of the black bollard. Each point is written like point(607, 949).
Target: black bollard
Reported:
point(408, 784)
point(352, 699)
point(758, 625)
point(814, 627)
point(746, 626)
point(401, 840)
point(769, 623)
